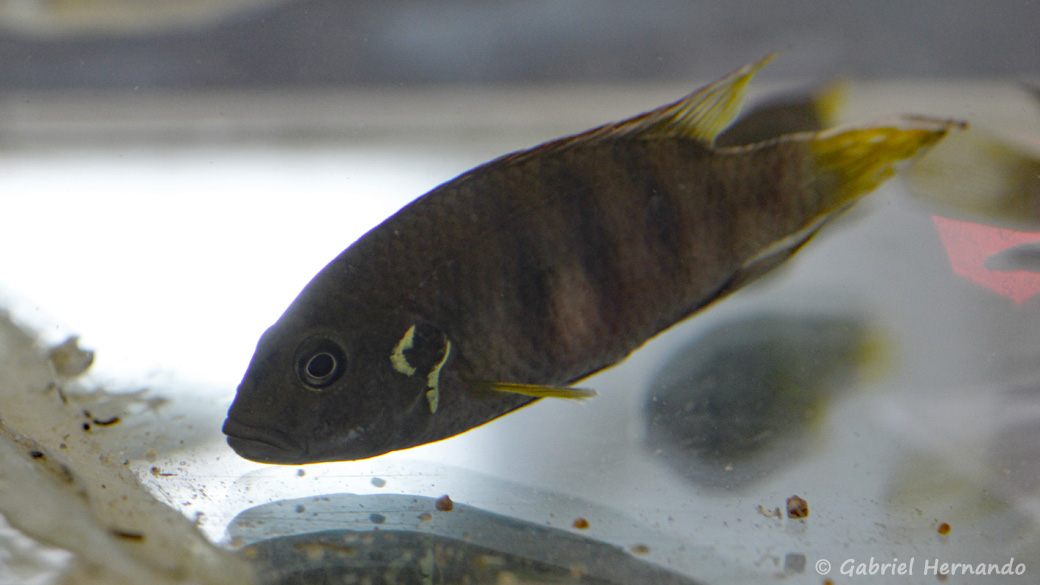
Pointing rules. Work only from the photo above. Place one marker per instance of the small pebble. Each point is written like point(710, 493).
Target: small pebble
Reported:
point(797, 507)
point(444, 504)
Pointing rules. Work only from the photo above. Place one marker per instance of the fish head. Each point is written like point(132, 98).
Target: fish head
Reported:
point(315, 391)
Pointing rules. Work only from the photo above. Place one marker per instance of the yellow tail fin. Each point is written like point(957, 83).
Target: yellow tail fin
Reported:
point(860, 159)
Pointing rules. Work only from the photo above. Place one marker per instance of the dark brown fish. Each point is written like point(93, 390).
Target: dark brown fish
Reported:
point(535, 270)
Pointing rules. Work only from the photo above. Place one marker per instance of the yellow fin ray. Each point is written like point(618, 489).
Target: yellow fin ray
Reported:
point(702, 115)
point(542, 391)
point(860, 159)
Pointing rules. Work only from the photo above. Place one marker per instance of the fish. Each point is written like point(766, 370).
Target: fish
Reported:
point(527, 274)
point(787, 114)
point(981, 177)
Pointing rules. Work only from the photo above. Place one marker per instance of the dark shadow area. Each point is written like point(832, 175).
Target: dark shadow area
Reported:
point(1025, 257)
point(401, 539)
point(744, 400)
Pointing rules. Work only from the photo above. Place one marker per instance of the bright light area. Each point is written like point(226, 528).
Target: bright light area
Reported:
point(175, 261)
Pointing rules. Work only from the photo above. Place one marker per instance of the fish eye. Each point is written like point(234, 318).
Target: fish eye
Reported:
point(319, 363)
point(320, 367)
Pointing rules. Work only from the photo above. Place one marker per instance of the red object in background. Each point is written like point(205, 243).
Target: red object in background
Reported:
point(970, 244)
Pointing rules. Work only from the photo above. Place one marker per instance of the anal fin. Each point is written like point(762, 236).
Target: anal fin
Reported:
point(776, 254)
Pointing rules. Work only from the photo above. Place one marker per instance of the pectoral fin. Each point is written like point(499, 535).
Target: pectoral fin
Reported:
point(541, 391)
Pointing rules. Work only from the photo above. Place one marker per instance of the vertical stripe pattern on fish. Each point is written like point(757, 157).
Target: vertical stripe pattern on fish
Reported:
point(533, 271)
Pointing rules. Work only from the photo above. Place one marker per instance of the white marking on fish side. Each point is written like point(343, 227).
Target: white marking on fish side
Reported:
point(433, 379)
point(397, 358)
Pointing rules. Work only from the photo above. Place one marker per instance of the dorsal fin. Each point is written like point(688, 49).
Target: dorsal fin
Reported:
point(702, 115)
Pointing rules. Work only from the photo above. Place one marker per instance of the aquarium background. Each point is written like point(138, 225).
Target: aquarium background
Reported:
point(173, 173)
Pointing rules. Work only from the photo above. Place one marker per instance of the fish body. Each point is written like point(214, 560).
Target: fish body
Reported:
point(533, 271)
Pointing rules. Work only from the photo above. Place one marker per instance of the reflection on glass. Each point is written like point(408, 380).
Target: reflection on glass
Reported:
point(741, 401)
point(402, 539)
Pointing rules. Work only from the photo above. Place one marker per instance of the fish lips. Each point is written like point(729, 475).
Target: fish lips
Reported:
point(269, 446)
point(263, 445)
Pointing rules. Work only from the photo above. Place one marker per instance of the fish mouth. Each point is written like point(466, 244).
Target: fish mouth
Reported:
point(263, 445)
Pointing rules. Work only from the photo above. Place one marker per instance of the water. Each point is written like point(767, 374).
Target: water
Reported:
point(171, 260)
